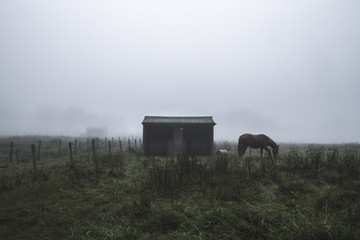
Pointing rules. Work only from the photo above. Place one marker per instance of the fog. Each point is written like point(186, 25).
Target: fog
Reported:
point(289, 69)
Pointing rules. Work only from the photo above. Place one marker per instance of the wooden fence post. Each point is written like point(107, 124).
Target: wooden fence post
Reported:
point(135, 145)
point(39, 148)
point(34, 160)
point(75, 146)
point(129, 143)
point(95, 160)
point(11, 150)
point(71, 156)
point(110, 147)
point(121, 150)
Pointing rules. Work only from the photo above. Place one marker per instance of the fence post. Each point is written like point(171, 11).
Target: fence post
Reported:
point(135, 145)
point(95, 160)
point(121, 150)
point(71, 156)
point(39, 148)
point(34, 160)
point(11, 150)
point(75, 146)
point(110, 147)
point(129, 143)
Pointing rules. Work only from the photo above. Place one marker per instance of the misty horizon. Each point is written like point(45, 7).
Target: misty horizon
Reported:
point(75, 117)
point(289, 70)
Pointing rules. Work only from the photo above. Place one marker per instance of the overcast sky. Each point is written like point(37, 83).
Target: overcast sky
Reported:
point(289, 69)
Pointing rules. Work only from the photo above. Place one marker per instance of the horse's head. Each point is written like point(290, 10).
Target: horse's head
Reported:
point(275, 151)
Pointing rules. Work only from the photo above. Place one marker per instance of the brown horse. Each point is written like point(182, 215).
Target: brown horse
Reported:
point(257, 141)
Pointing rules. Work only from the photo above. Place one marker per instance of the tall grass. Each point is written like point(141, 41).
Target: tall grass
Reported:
point(309, 192)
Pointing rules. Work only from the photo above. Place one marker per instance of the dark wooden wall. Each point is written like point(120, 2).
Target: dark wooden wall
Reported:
point(159, 139)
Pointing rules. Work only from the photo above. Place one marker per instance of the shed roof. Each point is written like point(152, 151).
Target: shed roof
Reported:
point(208, 120)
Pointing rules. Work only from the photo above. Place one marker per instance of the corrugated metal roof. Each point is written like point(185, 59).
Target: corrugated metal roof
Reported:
point(178, 120)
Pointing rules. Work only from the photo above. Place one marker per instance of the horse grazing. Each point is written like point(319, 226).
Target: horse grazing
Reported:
point(257, 141)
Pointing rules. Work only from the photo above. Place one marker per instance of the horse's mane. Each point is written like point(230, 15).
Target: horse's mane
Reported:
point(271, 142)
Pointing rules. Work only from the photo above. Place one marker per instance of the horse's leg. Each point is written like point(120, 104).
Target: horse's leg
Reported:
point(243, 150)
point(249, 162)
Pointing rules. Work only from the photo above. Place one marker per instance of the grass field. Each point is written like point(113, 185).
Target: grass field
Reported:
point(309, 192)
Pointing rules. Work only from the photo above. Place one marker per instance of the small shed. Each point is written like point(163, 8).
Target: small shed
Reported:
point(178, 135)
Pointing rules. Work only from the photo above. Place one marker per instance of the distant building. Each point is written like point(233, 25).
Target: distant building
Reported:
point(174, 135)
point(99, 132)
